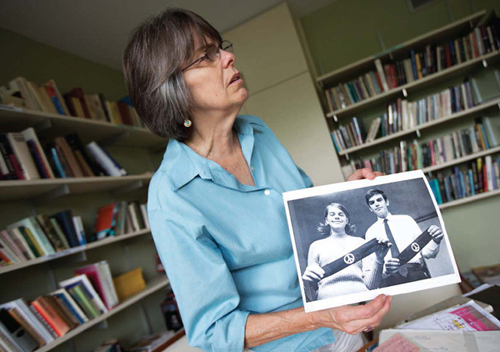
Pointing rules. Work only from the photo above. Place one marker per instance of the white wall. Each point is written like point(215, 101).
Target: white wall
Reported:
point(270, 57)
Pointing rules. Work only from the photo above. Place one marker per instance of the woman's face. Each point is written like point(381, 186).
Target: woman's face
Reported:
point(215, 86)
point(336, 218)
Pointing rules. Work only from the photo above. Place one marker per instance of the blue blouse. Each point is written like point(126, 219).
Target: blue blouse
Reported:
point(226, 246)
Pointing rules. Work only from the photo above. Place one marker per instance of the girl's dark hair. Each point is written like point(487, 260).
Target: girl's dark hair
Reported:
point(151, 62)
point(324, 228)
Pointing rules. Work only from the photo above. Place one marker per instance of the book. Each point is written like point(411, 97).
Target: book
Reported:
point(71, 304)
point(15, 332)
point(110, 166)
point(65, 220)
point(105, 221)
point(41, 238)
point(97, 277)
point(59, 242)
point(23, 155)
point(381, 75)
point(129, 284)
point(83, 300)
point(89, 289)
point(80, 232)
point(29, 134)
point(50, 316)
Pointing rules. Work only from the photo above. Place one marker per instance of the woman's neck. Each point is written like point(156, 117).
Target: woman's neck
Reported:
point(213, 138)
point(338, 234)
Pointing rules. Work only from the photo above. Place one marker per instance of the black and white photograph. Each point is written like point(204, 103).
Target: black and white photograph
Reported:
point(355, 240)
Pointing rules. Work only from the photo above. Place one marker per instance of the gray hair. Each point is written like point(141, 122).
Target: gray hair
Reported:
point(151, 62)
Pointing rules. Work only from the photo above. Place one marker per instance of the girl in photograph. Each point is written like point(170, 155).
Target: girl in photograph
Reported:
point(340, 240)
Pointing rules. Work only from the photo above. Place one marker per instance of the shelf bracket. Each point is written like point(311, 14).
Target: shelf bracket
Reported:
point(485, 63)
point(60, 191)
point(405, 93)
point(43, 125)
point(102, 324)
point(128, 188)
point(114, 139)
point(335, 118)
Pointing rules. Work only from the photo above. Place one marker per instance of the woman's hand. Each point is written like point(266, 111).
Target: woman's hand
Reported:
point(313, 274)
point(364, 173)
point(353, 319)
point(382, 250)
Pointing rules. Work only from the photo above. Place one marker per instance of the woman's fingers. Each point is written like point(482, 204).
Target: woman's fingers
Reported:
point(376, 319)
point(313, 273)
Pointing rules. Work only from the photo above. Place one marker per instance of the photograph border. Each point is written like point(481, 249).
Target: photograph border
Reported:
point(391, 290)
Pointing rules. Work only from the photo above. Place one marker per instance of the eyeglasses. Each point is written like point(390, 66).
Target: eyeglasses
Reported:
point(212, 53)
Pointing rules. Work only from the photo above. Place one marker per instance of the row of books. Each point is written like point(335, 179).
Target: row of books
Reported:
point(27, 326)
point(116, 219)
point(482, 40)
point(47, 98)
point(482, 175)
point(416, 155)
point(24, 157)
point(402, 115)
point(39, 236)
point(44, 235)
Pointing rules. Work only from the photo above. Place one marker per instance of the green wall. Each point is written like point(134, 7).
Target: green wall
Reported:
point(350, 30)
point(21, 56)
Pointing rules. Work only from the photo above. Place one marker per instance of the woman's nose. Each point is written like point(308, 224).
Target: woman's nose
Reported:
point(227, 58)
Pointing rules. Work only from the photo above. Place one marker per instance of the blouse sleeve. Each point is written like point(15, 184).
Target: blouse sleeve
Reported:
point(203, 285)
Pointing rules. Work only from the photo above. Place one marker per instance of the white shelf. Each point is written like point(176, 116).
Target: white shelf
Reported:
point(465, 113)
point(17, 119)
point(462, 159)
point(458, 70)
point(454, 29)
point(72, 251)
point(49, 188)
point(152, 287)
point(469, 199)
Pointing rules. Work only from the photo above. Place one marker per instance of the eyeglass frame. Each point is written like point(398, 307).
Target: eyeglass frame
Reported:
point(218, 47)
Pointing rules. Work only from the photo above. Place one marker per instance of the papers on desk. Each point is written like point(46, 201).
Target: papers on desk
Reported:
point(462, 328)
point(467, 317)
point(441, 341)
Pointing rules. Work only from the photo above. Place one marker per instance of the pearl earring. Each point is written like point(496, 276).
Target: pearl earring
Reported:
point(187, 123)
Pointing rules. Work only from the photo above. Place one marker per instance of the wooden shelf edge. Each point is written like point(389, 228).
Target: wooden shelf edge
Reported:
point(71, 251)
point(400, 46)
point(154, 286)
point(462, 159)
point(413, 85)
point(75, 180)
point(475, 109)
point(77, 120)
point(469, 199)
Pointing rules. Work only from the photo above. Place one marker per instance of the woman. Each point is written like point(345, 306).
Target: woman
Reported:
point(215, 204)
point(340, 241)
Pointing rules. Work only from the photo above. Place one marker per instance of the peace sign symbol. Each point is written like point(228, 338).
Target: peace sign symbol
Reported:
point(415, 247)
point(349, 258)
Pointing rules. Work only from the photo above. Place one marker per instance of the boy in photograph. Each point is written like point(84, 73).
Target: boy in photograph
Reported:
point(401, 231)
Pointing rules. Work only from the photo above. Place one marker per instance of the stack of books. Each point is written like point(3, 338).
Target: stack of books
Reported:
point(482, 175)
point(413, 156)
point(24, 157)
point(119, 218)
point(435, 58)
point(79, 299)
point(403, 115)
point(46, 98)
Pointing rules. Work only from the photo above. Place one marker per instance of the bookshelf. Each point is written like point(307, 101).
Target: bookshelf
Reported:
point(396, 136)
point(152, 287)
point(23, 198)
point(463, 69)
point(413, 91)
point(104, 242)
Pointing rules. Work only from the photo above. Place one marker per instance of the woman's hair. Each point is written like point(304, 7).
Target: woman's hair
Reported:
point(324, 228)
point(151, 62)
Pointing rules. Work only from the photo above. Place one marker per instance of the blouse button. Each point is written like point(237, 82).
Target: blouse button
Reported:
point(267, 192)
